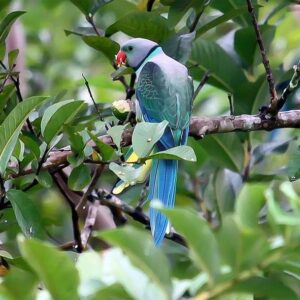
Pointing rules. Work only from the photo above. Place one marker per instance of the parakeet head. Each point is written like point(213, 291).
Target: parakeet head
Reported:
point(134, 52)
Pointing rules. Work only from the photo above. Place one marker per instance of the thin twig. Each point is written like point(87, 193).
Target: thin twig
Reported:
point(247, 160)
point(290, 88)
point(231, 107)
point(201, 84)
point(91, 96)
point(90, 19)
point(265, 59)
point(196, 21)
point(130, 90)
point(97, 173)
point(150, 4)
point(75, 219)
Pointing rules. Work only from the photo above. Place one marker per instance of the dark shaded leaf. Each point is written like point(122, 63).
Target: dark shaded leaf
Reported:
point(6, 24)
point(249, 51)
point(105, 150)
point(225, 150)
point(103, 44)
point(209, 56)
point(27, 214)
point(179, 47)
point(142, 24)
point(89, 6)
point(222, 19)
point(79, 178)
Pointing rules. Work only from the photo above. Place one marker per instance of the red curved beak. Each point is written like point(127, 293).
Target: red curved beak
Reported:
point(121, 58)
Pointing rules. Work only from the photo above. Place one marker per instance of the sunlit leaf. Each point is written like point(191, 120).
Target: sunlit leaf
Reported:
point(181, 153)
point(11, 126)
point(201, 240)
point(146, 135)
point(140, 248)
point(57, 115)
point(54, 268)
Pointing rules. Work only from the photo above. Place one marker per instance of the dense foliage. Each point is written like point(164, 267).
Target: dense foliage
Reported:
point(237, 215)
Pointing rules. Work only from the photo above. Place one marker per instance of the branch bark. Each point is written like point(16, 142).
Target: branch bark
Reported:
point(199, 128)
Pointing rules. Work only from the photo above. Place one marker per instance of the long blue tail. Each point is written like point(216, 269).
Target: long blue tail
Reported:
point(163, 179)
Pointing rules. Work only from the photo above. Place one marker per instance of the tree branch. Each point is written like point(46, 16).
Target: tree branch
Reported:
point(199, 127)
point(273, 105)
point(110, 200)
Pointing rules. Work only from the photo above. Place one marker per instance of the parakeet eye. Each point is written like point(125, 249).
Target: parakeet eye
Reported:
point(130, 48)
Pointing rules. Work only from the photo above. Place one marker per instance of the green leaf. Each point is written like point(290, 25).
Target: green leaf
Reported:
point(79, 178)
point(179, 8)
point(146, 135)
point(121, 72)
point(263, 150)
point(83, 31)
point(139, 247)
point(209, 56)
point(12, 56)
point(45, 179)
point(57, 115)
point(280, 216)
point(11, 126)
point(227, 6)
point(6, 93)
point(294, 166)
point(227, 185)
point(179, 46)
point(226, 150)
point(25, 291)
point(6, 24)
point(53, 267)
point(89, 6)
point(103, 44)
point(201, 240)
point(105, 150)
point(2, 50)
point(181, 153)
point(128, 173)
point(3, 4)
point(148, 25)
point(27, 214)
point(248, 204)
point(229, 15)
point(249, 51)
point(116, 134)
point(271, 288)
point(236, 296)
point(112, 292)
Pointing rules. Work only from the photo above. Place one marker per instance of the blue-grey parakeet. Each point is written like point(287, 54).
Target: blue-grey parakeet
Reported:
point(164, 91)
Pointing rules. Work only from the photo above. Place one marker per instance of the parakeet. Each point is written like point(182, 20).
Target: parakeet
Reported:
point(164, 91)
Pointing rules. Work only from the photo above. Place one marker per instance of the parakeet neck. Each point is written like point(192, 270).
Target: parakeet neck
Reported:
point(153, 52)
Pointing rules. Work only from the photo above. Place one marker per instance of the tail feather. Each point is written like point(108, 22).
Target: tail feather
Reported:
point(162, 187)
